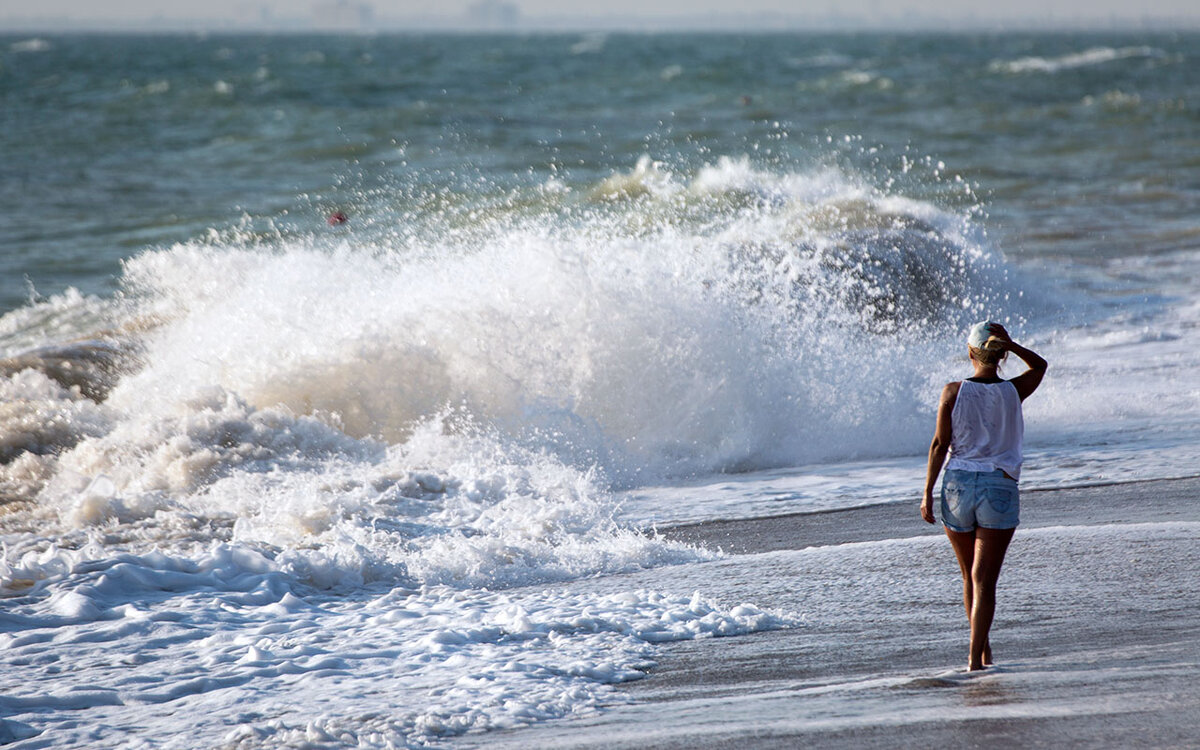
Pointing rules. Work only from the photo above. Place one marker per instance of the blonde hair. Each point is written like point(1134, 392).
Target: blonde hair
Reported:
point(991, 353)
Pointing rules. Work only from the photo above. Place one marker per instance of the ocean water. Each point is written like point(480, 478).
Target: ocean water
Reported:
point(269, 479)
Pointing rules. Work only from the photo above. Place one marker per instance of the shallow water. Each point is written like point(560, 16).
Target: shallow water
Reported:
point(878, 656)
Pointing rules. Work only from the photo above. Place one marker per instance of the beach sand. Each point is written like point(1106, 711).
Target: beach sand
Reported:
point(1097, 636)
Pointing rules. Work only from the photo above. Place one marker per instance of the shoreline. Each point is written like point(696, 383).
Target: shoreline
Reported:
point(865, 523)
point(1096, 639)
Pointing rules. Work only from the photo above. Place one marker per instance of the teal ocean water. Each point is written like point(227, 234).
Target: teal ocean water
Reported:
point(1080, 146)
point(330, 367)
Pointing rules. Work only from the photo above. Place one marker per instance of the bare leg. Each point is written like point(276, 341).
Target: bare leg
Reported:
point(963, 543)
point(990, 546)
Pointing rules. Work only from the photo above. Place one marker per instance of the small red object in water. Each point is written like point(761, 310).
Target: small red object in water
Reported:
point(337, 217)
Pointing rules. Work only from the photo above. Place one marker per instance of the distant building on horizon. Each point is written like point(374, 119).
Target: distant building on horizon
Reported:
point(493, 14)
point(342, 15)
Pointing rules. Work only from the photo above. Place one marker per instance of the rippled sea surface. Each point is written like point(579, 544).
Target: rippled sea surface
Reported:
point(1081, 146)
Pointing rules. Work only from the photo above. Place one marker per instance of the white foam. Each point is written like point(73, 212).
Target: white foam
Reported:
point(165, 648)
point(40, 417)
point(35, 44)
point(61, 317)
point(1086, 58)
point(589, 44)
point(750, 339)
point(580, 334)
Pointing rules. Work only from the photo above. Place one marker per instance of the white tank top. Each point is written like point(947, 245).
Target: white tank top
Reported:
point(986, 428)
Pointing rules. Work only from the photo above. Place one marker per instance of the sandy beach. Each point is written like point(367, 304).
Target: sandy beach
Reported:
point(1096, 636)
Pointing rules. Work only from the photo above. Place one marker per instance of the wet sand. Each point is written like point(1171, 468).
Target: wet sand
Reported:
point(1167, 500)
point(1097, 635)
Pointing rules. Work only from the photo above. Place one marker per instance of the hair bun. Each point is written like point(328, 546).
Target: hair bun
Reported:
point(993, 343)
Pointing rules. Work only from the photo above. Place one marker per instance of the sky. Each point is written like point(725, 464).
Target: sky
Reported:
point(368, 14)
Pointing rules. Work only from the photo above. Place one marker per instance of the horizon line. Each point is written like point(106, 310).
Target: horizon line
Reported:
point(584, 23)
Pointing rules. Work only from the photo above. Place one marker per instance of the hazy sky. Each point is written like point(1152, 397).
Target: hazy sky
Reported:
point(1064, 12)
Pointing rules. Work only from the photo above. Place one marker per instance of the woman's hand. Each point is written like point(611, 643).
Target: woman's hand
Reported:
point(997, 330)
point(1027, 382)
point(927, 508)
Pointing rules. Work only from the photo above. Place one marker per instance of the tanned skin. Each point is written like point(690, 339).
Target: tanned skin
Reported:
point(980, 552)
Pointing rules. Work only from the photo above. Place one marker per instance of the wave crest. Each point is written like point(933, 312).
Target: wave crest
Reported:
point(1086, 58)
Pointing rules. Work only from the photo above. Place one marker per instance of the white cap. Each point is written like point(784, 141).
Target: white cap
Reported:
point(980, 333)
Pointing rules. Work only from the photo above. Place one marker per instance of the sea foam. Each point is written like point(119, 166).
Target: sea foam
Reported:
point(363, 463)
point(1086, 58)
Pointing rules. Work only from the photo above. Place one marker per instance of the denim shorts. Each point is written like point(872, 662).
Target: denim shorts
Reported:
point(979, 498)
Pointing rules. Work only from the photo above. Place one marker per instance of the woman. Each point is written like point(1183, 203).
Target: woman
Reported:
point(979, 423)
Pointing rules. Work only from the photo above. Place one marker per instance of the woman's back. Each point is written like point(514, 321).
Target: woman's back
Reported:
point(987, 429)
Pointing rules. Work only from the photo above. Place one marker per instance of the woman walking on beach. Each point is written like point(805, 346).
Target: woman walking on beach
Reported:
point(979, 424)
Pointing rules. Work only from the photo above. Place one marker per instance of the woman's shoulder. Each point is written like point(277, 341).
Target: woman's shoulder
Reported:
point(950, 392)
